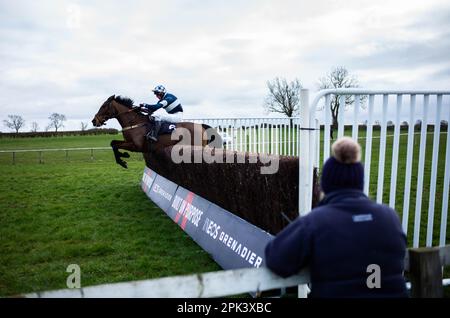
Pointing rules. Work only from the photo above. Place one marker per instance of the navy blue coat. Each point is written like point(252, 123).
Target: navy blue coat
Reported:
point(169, 102)
point(338, 241)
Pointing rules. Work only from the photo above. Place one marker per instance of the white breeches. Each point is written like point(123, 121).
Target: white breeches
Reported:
point(163, 115)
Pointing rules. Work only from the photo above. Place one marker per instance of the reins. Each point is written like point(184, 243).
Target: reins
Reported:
point(135, 108)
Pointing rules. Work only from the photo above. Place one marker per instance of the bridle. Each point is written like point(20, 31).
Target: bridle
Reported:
point(131, 126)
point(117, 114)
point(97, 118)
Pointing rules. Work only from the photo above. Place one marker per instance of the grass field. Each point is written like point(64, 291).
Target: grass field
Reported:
point(94, 141)
point(91, 213)
point(74, 209)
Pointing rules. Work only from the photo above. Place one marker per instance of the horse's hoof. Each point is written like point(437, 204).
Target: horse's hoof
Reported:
point(126, 155)
point(123, 164)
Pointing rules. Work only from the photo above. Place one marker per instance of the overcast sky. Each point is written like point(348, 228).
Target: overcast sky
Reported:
point(216, 56)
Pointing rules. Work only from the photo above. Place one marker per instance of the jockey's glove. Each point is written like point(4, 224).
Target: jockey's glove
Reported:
point(143, 107)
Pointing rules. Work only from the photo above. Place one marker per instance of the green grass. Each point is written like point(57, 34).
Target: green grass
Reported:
point(58, 142)
point(92, 214)
point(57, 156)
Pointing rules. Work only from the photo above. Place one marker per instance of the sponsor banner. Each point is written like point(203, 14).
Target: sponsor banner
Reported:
point(231, 241)
point(187, 210)
point(162, 192)
point(147, 180)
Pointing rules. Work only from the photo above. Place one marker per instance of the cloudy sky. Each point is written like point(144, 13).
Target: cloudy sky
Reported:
point(216, 56)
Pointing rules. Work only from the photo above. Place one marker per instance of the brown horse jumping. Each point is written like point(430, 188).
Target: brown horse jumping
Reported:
point(134, 127)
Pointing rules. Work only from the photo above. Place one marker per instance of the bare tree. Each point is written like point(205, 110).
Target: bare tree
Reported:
point(14, 122)
point(56, 121)
point(83, 126)
point(339, 77)
point(283, 97)
point(34, 126)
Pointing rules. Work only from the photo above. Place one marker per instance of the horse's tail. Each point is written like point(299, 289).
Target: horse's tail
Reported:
point(213, 136)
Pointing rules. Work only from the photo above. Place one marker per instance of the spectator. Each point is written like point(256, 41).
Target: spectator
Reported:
point(343, 236)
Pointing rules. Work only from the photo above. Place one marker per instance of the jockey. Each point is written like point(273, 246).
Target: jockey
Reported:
point(170, 104)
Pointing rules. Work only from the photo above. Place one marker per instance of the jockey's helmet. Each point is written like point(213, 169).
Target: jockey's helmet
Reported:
point(159, 90)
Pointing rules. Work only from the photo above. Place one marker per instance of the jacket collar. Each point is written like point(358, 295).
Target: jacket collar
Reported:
point(341, 194)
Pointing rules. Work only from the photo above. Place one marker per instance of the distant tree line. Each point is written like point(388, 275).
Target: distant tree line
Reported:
point(56, 121)
point(93, 131)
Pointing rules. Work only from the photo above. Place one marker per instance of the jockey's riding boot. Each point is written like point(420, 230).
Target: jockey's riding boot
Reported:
point(152, 135)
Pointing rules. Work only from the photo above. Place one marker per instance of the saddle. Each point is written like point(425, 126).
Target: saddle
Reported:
point(157, 128)
point(166, 127)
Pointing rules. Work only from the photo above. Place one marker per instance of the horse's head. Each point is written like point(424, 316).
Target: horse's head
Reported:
point(106, 111)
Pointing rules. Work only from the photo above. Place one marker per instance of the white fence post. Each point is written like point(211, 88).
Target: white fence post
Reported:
point(304, 157)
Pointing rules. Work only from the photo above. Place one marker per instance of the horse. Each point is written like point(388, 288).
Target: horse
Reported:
point(135, 125)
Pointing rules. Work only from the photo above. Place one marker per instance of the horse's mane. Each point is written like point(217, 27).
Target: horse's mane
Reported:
point(126, 101)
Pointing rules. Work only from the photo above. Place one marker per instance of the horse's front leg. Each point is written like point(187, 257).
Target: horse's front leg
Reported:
point(118, 144)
